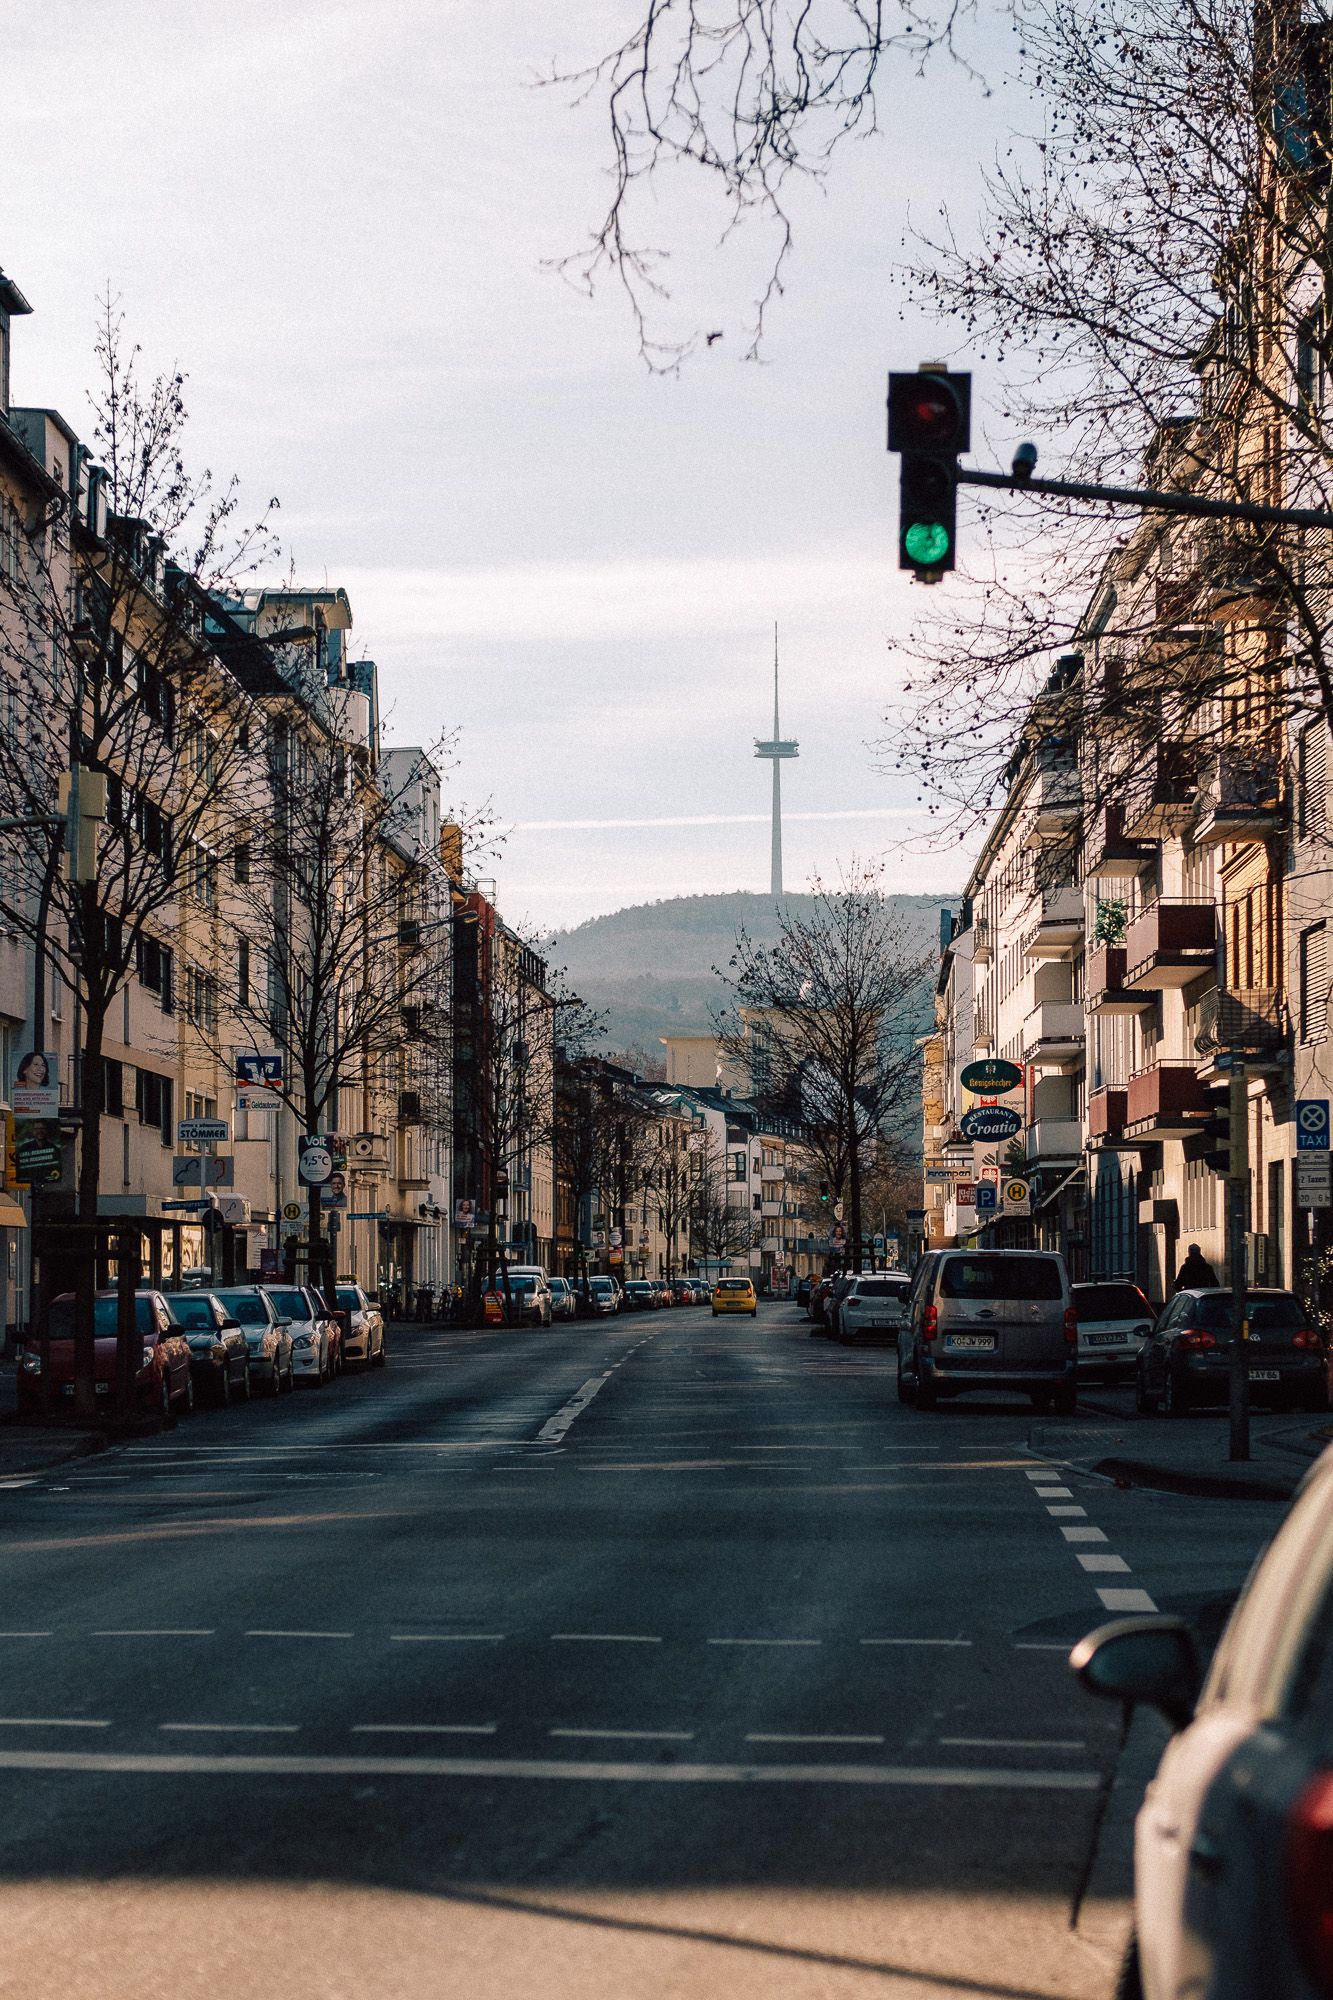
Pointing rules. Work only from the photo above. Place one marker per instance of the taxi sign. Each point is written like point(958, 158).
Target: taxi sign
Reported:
point(1312, 1124)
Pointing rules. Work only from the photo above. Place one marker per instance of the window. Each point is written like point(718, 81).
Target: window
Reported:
point(1200, 1196)
point(152, 1101)
point(153, 962)
point(243, 971)
point(241, 863)
point(1314, 983)
point(1312, 785)
point(200, 874)
point(739, 1167)
point(201, 999)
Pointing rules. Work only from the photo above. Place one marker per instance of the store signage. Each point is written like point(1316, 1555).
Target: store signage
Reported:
point(206, 1169)
point(992, 1077)
point(201, 1131)
point(990, 1121)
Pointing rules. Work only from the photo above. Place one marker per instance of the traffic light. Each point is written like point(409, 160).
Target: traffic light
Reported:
point(1214, 1137)
point(82, 801)
point(930, 420)
point(823, 1193)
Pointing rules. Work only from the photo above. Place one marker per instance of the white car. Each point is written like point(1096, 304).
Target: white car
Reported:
point(1233, 1846)
point(563, 1300)
point(364, 1338)
point(1114, 1319)
point(314, 1352)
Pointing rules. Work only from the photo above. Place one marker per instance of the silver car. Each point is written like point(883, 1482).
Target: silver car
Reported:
point(268, 1336)
point(364, 1338)
point(603, 1295)
point(563, 1301)
point(1233, 1849)
point(989, 1319)
point(873, 1307)
point(1114, 1320)
point(312, 1349)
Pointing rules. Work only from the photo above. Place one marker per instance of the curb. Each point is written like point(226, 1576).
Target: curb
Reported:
point(1105, 1906)
point(1245, 1483)
point(29, 1457)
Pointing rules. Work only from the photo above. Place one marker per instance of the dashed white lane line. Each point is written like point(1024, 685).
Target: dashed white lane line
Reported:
point(764, 1642)
point(555, 1427)
point(916, 1642)
point(231, 1728)
point(627, 1735)
point(268, 1632)
point(1093, 1563)
point(1013, 1743)
point(424, 1728)
point(1127, 1600)
point(606, 1638)
point(49, 1722)
point(1053, 1492)
point(155, 1632)
point(552, 1770)
point(1067, 1513)
point(1041, 1646)
point(1040, 1472)
point(756, 1736)
point(1104, 1565)
point(27, 1635)
point(446, 1638)
point(1088, 1534)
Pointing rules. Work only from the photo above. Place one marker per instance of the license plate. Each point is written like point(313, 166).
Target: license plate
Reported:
point(971, 1343)
point(1105, 1339)
point(99, 1388)
point(1265, 1375)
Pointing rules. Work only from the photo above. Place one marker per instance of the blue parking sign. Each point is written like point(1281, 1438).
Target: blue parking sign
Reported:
point(987, 1196)
point(1312, 1124)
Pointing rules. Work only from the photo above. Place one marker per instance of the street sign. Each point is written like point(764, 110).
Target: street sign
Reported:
point(987, 1198)
point(877, 1243)
point(1314, 1181)
point(207, 1169)
point(965, 1194)
point(291, 1211)
point(201, 1131)
point(1312, 1124)
point(991, 1078)
point(1017, 1197)
point(990, 1121)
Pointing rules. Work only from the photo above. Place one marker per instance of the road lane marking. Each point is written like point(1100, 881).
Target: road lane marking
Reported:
point(555, 1427)
point(446, 1638)
point(628, 1735)
point(154, 1632)
point(266, 1632)
point(764, 1642)
point(231, 1728)
point(1083, 1534)
point(424, 1728)
point(551, 1770)
point(27, 1635)
point(1067, 1513)
point(1042, 1472)
point(1043, 1646)
point(1104, 1565)
point(49, 1722)
point(1127, 1600)
point(916, 1642)
point(607, 1638)
point(755, 1736)
point(1013, 1743)
point(1053, 1492)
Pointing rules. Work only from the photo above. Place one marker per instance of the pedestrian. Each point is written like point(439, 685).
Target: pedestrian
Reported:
point(423, 1302)
point(1195, 1272)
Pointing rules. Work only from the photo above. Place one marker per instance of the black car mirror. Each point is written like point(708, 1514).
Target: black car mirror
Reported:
point(1148, 1660)
point(283, 1324)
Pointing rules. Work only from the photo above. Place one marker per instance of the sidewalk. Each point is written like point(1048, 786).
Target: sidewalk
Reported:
point(35, 1448)
point(1188, 1454)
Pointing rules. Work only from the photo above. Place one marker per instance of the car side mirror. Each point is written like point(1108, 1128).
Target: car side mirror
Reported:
point(232, 1326)
point(1150, 1660)
point(284, 1323)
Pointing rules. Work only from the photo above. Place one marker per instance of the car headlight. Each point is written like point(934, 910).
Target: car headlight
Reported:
point(147, 1361)
point(303, 1340)
point(31, 1363)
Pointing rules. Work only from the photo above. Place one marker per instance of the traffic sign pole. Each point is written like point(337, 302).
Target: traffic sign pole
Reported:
point(1238, 1222)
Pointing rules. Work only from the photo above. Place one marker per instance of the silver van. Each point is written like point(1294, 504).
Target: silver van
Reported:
point(989, 1319)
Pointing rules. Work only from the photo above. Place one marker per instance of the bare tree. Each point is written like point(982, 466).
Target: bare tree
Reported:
point(829, 1016)
point(720, 1229)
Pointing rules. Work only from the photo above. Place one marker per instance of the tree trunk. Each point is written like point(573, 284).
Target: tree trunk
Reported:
point(90, 1174)
point(854, 1185)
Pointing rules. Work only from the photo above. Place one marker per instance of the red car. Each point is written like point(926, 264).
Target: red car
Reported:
point(162, 1378)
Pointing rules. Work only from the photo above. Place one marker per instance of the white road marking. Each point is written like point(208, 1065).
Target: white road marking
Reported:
point(607, 1638)
point(1042, 1646)
point(764, 1642)
point(755, 1737)
point(424, 1728)
point(264, 1632)
point(1127, 1600)
point(1083, 1534)
point(1053, 1492)
point(27, 1635)
point(545, 1770)
point(445, 1638)
point(916, 1642)
point(231, 1728)
point(1104, 1565)
point(1042, 1472)
point(1067, 1513)
point(555, 1427)
point(11, 1485)
point(1013, 1743)
point(154, 1632)
point(49, 1722)
point(628, 1735)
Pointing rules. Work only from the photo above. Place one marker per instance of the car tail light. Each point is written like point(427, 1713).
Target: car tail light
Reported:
point(1307, 1338)
point(930, 1323)
point(1071, 1326)
point(1309, 1860)
point(1197, 1341)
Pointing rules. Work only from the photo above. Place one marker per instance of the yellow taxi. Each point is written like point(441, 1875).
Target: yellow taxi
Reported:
point(734, 1295)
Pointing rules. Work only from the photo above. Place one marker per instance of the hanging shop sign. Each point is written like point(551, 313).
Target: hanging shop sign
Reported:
point(990, 1121)
point(991, 1077)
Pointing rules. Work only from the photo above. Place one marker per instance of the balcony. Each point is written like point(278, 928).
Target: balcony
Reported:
point(1248, 1021)
point(981, 941)
point(1105, 990)
point(1108, 852)
point(1052, 1139)
point(1053, 1034)
point(1240, 799)
point(1059, 929)
point(1159, 798)
point(1168, 1101)
point(1170, 943)
point(1055, 797)
point(1107, 1110)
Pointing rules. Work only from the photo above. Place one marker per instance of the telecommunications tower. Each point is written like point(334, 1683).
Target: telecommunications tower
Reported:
point(776, 750)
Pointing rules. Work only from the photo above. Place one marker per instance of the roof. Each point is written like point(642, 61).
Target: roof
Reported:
point(12, 300)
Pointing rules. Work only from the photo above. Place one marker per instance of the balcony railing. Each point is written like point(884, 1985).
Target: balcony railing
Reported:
point(1059, 928)
point(1108, 852)
point(1107, 1111)
point(1171, 943)
point(1053, 1033)
point(1104, 986)
point(1168, 1101)
point(1159, 799)
point(1055, 797)
point(1241, 797)
point(1055, 1139)
point(1249, 1021)
point(981, 940)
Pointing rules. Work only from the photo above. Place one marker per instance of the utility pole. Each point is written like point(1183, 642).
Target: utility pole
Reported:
point(1238, 1226)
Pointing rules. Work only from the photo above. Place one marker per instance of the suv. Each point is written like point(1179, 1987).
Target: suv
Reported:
point(989, 1319)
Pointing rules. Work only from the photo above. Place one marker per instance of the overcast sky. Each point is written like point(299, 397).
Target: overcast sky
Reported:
point(335, 217)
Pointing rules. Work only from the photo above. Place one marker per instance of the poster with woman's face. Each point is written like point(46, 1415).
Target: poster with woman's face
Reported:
point(35, 1092)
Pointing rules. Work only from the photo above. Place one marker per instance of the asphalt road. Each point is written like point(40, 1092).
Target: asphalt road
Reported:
point(644, 1658)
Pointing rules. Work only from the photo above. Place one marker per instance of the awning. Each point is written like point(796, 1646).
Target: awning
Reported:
point(1057, 1191)
point(11, 1215)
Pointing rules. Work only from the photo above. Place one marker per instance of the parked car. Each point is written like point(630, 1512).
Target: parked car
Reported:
point(640, 1295)
point(1114, 1319)
point(989, 1319)
point(873, 1307)
point(603, 1295)
point(219, 1358)
point(683, 1293)
point(563, 1301)
point(529, 1297)
point(363, 1328)
point(1186, 1362)
point(837, 1292)
point(316, 1335)
point(163, 1379)
point(1233, 1849)
point(818, 1302)
point(267, 1335)
point(734, 1295)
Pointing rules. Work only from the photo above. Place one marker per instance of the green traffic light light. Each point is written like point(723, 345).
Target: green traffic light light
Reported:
point(927, 542)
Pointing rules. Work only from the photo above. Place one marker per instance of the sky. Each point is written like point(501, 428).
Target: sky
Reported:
point(338, 217)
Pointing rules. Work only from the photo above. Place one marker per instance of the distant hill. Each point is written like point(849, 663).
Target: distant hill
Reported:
point(649, 968)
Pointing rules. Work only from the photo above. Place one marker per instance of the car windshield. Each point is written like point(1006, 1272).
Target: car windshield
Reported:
point(559, 1285)
point(247, 1307)
point(290, 1305)
point(105, 1316)
point(347, 1299)
point(1001, 1277)
point(194, 1313)
point(1110, 1302)
point(880, 1288)
point(1279, 1312)
point(522, 1284)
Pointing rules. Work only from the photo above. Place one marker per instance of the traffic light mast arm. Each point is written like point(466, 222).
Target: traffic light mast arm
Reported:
point(1149, 499)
